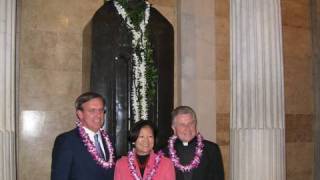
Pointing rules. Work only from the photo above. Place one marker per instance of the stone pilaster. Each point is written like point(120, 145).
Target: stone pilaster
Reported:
point(7, 89)
point(196, 51)
point(315, 24)
point(257, 99)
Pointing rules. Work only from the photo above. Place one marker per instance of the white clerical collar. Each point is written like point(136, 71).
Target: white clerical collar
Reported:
point(185, 143)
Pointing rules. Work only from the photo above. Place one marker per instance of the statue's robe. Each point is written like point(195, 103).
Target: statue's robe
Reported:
point(106, 70)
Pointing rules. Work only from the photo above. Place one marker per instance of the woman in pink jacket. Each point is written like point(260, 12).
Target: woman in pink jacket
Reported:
point(142, 163)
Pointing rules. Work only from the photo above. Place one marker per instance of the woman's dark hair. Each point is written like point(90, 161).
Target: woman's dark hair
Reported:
point(135, 130)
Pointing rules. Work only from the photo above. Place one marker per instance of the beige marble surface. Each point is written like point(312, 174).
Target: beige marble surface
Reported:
point(196, 48)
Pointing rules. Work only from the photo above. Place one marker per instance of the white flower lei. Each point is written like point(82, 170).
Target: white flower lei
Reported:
point(139, 64)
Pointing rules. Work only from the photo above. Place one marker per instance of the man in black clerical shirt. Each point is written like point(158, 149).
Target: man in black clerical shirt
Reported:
point(193, 157)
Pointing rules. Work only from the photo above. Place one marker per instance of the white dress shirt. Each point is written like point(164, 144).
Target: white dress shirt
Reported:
point(91, 137)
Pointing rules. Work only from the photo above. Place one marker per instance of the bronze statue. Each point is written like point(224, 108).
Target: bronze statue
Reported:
point(107, 67)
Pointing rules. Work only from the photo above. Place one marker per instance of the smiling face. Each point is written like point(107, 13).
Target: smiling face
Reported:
point(92, 114)
point(185, 127)
point(145, 141)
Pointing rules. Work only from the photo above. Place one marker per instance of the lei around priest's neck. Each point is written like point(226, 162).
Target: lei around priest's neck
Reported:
point(176, 160)
point(92, 149)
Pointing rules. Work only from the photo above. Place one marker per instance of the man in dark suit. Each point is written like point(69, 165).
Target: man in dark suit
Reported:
point(85, 152)
point(193, 157)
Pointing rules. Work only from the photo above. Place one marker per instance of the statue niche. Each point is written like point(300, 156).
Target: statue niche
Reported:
point(107, 61)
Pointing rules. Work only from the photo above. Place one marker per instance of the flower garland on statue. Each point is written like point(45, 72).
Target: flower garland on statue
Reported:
point(92, 149)
point(140, 55)
point(175, 159)
point(133, 170)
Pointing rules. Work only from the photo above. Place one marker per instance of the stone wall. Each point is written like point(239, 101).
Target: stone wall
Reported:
point(223, 79)
point(298, 89)
point(315, 29)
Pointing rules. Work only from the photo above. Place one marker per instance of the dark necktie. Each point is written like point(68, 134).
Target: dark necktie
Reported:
point(98, 147)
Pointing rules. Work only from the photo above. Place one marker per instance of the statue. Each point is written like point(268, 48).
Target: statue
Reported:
point(107, 67)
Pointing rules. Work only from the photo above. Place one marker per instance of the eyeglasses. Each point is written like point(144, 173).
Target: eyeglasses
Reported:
point(93, 111)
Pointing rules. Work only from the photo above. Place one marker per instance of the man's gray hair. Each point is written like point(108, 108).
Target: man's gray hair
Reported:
point(182, 110)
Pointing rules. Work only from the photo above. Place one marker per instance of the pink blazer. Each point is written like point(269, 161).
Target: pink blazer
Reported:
point(165, 170)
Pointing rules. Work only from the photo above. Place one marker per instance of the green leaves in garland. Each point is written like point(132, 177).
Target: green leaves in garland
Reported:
point(144, 73)
point(151, 74)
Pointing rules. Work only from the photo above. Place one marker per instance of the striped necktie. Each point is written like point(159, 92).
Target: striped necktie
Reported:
point(98, 147)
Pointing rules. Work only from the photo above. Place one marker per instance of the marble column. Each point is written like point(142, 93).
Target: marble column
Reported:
point(7, 89)
point(257, 148)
